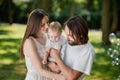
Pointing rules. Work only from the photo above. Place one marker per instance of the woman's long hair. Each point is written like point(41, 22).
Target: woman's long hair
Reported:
point(33, 26)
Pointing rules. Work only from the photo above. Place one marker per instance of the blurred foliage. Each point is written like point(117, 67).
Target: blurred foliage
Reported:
point(11, 68)
point(59, 10)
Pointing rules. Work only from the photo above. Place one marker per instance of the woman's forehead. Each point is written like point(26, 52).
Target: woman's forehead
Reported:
point(45, 19)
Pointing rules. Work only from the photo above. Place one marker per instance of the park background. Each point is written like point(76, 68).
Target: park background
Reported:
point(102, 17)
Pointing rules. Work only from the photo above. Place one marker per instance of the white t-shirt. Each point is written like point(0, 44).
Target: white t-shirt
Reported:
point(79, 57)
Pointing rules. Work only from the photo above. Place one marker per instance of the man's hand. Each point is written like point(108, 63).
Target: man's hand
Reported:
point(54, 67)
point(54, 53)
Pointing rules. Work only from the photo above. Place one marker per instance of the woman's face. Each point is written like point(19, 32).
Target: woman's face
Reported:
point(45, 24)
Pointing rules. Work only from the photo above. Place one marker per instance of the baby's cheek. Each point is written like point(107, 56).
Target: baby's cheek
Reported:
point(57, 39)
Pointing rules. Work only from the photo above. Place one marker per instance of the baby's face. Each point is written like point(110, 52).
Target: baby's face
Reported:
point(54, 36)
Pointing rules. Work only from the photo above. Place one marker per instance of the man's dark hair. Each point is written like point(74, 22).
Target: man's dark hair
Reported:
point(78, 27)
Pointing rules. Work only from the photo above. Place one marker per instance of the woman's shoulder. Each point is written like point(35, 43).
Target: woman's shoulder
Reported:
point(29, 42)
point(28, 45)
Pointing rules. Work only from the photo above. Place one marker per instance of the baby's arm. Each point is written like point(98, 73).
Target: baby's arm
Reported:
point(46, 55)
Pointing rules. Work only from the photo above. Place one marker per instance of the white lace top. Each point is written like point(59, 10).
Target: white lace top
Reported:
point(32, 73)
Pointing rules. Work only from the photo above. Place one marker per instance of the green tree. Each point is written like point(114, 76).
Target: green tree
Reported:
point(43, 4)
point(10, 14)
point(6, 11)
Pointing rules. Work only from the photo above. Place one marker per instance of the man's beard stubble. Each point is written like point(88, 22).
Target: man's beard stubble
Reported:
point(73, 43)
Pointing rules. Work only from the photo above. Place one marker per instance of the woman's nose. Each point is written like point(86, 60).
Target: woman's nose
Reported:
point(46, 27)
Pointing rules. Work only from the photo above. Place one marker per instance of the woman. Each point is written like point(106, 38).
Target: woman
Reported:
point(33, 46)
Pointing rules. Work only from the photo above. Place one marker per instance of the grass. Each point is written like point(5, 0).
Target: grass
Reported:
point(11, 68)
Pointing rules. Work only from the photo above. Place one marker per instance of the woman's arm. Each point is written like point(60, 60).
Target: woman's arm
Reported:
point(67, 72)
point(31, 50)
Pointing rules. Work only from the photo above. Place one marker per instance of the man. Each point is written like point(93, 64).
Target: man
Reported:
point(78, 54)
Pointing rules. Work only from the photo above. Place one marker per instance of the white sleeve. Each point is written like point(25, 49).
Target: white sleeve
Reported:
point(84, 63)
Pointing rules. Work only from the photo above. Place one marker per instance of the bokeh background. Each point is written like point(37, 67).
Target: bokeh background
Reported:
point(102, 16)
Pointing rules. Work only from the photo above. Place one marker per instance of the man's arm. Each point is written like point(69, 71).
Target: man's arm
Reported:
point(67, 72)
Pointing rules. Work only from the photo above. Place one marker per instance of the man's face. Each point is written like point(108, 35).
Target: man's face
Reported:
point(69, 36)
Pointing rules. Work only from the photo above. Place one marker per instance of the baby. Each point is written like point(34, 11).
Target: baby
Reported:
point(55, 40)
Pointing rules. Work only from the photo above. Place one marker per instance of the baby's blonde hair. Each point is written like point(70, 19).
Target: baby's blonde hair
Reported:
point(55, 26)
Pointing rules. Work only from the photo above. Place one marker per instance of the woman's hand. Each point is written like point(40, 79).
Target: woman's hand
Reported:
point(54, 67)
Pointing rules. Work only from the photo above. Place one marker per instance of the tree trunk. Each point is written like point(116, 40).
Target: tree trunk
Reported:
point(89, 3)
point(115, 17)
point(105, 22)
point(72, 9)
point(43, 4)
point(10, 12)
